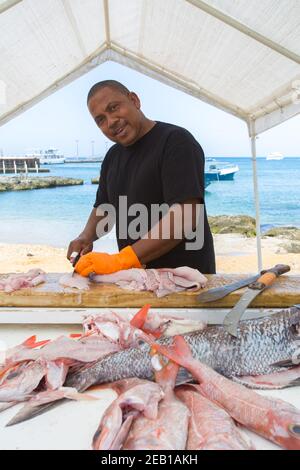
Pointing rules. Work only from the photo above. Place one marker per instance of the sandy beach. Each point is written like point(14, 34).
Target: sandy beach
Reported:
point(235, 253)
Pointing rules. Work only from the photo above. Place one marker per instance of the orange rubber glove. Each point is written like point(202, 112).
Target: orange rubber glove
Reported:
point(103, 263)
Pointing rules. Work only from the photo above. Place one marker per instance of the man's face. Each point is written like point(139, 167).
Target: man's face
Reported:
point(117, 115)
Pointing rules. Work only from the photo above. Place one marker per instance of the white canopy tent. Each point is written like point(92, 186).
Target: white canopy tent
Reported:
point(242, 57)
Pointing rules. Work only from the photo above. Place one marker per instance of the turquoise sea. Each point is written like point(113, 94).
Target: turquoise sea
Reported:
point(55, 216)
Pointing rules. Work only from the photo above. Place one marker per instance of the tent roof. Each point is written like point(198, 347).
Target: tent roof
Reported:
point(241, 56)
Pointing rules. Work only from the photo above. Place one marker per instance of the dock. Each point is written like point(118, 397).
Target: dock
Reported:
point(84, 160)
point(16, 164)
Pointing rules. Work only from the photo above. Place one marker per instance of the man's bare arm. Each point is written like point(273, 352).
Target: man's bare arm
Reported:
point(155, 243)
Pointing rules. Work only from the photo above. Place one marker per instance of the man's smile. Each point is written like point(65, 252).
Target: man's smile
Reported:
point(120, 131)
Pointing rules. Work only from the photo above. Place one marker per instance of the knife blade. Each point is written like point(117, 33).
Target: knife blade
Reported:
point(75, 261)
point(233, 317)
point(219, 292)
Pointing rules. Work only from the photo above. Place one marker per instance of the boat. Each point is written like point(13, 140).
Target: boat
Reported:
point(219, 171)
point(274, 156)
point(50, 156)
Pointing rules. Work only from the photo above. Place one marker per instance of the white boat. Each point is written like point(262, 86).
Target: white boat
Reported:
point(50, 156)
point(219, 171)
point(274, 156)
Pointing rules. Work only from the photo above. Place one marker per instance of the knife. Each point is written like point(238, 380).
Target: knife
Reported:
point(233, 317)
point(219, 292)
point(75, 261)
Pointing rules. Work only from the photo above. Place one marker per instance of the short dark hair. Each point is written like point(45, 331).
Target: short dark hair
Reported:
point(107, 83)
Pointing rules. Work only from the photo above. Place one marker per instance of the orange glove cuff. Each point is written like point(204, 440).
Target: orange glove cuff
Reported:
point(128, 258)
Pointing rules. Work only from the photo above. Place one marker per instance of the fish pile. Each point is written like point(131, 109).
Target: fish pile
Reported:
point(33, 369)
point(141, 362)
point(162, 281)
point(14, 282)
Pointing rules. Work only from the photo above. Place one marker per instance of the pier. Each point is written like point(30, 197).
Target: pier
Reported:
point(16, 164)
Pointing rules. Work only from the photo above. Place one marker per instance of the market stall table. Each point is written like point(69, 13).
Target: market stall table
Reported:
point(50, 310)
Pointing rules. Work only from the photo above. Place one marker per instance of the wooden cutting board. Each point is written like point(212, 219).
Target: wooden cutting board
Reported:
point(284, 293)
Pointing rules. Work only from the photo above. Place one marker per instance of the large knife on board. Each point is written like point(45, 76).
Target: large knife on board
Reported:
point(233, 317)
point(218, 293)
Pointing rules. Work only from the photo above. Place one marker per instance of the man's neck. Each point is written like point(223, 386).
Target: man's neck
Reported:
point(146, 127)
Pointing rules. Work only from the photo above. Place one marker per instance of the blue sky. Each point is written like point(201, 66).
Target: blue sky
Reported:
point(62, 118)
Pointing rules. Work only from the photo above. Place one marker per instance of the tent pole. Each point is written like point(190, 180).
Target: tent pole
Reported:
point(256, 195)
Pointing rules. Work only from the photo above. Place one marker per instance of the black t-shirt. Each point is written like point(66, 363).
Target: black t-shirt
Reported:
point(165, 166)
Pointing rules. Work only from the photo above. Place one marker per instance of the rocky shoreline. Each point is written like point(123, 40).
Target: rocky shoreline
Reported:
point(245, 225)
point(24, 183)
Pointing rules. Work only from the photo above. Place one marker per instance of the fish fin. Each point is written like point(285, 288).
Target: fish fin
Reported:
point(284, 363)
point(75, 335)
point(183, 377)
point(140, 317)
point(122, 433)
point(5, 405)
point(294, 383)
point(256, 385)
point(41, 343)
point(179, 352)
point(167, 375)
point(4, 370)
point(29, 341)
point(274, 381)
point(27, 413)
point(32, 343)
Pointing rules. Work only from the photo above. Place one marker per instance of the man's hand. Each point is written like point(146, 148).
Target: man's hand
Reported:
point(80, 245)
point(103, 263)
point(83, 244)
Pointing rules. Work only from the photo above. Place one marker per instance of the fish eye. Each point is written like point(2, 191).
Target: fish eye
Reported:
point(295, 430)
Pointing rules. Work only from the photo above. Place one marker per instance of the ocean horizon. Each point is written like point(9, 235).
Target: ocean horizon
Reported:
point(55, 216)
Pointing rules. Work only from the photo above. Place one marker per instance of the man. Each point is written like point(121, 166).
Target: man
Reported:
point(151, 163)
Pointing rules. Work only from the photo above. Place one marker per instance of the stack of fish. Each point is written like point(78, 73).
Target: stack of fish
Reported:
point(141, 362)
point(162, 281)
